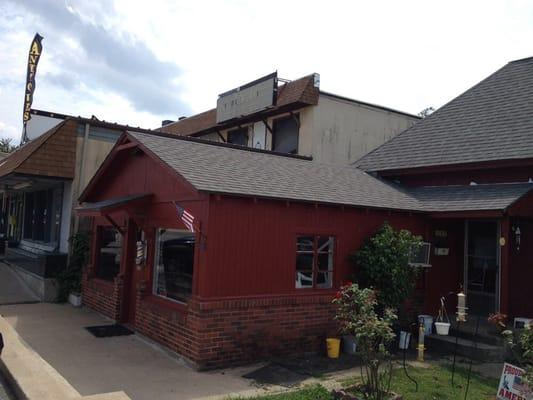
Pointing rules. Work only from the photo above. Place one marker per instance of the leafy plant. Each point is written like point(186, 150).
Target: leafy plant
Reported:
point(356, 314)
point(383, 262)
point(69, 280)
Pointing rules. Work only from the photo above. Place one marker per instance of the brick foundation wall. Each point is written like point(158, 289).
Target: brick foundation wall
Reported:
point(214, 334)
point(220, 333)
point(102, 296)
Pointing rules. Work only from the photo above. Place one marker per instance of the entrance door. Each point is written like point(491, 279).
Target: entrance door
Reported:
point(482, 266)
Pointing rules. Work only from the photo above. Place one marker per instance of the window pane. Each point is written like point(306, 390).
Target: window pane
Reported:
point(324, 279)
point(285, 138)
point(325, 244)
point(238, 136)
point(325, 261)
point(304, 261)
point(305, 243)
point(108, 265)
point(304, 279)
point(174, 264)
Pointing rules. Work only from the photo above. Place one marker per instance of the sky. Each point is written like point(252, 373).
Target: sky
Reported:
point(140, 62)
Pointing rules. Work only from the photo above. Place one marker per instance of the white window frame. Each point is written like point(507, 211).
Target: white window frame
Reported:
point(155, 274)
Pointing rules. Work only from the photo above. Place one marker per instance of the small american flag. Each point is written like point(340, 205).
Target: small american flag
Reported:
point(186, 217)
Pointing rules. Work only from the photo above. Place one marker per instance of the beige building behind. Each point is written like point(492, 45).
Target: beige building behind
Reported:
point(306, 121)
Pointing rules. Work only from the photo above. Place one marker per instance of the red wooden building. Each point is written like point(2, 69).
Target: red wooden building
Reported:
point(273, 232)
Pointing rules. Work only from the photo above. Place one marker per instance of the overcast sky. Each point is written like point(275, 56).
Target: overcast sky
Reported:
point(139, 62)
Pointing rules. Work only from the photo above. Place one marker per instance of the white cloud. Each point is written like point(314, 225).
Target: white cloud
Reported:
point(406, 55)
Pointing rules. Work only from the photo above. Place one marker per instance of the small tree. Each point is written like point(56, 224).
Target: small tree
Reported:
point(357, 316)
point(6, 146)
point(384, 265)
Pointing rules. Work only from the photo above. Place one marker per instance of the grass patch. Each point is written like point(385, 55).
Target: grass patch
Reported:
point(434, 383)
point(312, 392)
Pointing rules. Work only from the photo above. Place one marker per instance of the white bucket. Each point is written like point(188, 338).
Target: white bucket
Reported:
point(427, 320)
point(74, 299)
point(443, 328)
point(405, 339)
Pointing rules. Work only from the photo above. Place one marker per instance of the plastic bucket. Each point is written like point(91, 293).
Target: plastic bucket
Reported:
point(427, 320)
point(349, 345)
point(405, 339)
point(443, 328)
point(334, 346)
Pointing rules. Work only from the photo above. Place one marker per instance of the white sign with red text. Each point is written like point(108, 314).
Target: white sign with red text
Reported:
point(511, 386)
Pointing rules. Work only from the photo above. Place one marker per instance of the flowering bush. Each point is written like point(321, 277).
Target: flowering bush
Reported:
point(357, 316)
point(499, 320)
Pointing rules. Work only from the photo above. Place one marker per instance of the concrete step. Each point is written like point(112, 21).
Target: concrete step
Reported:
point(483, 352)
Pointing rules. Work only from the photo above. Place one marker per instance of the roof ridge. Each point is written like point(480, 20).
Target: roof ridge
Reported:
point(221, 144)
point(521, 59)
point(341, 97)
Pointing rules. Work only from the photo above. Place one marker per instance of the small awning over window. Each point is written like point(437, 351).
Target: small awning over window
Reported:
point(104, 207)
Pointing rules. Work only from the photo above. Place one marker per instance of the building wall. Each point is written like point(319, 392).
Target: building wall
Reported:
point(91, 151)
point(521, 270)
point(252, 243)
point(244, 305)
point(341, 131)
point(336, 131)
point(39, 124)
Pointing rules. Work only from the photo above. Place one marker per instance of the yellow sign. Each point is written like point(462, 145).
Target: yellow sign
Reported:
point(34, 55)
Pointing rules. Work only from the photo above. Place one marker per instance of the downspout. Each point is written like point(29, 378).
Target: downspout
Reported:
point(80, 173)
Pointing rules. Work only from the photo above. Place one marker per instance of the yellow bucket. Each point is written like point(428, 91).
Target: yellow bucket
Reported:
point(334, 346)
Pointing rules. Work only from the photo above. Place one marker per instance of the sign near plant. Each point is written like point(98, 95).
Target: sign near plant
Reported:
point(512, 385)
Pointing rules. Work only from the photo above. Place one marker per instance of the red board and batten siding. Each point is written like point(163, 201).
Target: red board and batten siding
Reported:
point(252, 243)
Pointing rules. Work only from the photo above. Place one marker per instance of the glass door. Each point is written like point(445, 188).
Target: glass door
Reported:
point(482, 267)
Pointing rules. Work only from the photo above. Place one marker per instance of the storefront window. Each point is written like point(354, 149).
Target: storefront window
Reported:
point(109, 253)
point(314, 261)
point(174, 263)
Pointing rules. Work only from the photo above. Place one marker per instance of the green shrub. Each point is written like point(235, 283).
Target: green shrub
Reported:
point(69, 280)
point(383, 262)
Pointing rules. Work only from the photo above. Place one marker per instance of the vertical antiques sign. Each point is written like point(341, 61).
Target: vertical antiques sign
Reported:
point(511, 385)
point(34, 55)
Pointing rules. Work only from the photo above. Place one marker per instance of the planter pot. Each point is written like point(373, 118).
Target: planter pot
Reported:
point(349, 346)
point(334, 347)
point(443, 328)
point(74, 299)
point(405, 340)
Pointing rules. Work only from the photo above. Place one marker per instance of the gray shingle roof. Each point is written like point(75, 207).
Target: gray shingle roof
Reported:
point(229, 170)
point(223, 169)
point(471, 197)
point(491, 121)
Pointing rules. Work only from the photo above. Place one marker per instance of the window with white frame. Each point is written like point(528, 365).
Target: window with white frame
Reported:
point(174, 264)
point(419, 255)
point(314, 261)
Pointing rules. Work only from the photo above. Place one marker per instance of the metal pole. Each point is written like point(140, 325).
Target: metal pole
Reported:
point(471, 358)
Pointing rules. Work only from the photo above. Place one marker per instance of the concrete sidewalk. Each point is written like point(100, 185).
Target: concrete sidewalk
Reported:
point(100, 365)
point(12, 288)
